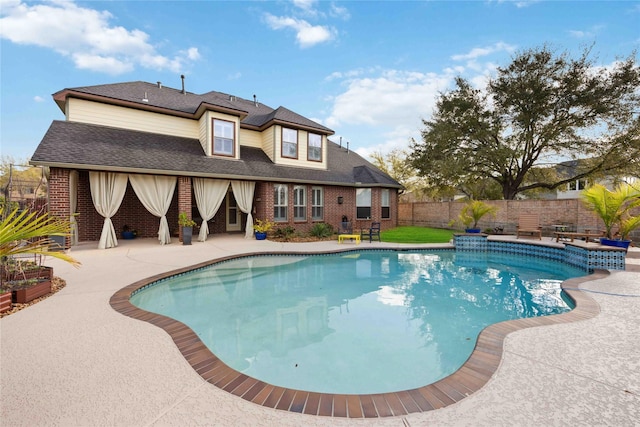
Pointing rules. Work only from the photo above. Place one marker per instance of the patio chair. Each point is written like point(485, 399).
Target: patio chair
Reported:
point(529, 224)
point(372, 232)
point(345, 227)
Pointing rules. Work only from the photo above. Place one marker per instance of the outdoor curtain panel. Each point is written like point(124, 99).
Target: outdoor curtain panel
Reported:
point(243, 192)
point(209, 196)
point(73, 205)
point(107, 192)
point(155, 192)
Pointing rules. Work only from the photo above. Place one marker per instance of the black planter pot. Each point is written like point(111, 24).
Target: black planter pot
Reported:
point(186, 235)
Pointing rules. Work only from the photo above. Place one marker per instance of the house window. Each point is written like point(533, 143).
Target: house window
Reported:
point(384, 203)
point(363, 203)
point(317, 203)
point(289, 143)
point(223, 137)
point(299, 203)
point(579, 184)
point(280, 202)
point(314, 147)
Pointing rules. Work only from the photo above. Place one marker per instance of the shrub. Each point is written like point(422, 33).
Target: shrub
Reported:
point(321, 229)
point(285, 232)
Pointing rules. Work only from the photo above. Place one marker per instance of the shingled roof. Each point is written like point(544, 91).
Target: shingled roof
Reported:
point(154, 97)
point(94, 147)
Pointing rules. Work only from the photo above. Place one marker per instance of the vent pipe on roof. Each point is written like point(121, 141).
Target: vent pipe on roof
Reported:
point(255, 100)
point(145, 99)
point(159, 85)
point(347, 146)
point(182, 77)
point(340, 142)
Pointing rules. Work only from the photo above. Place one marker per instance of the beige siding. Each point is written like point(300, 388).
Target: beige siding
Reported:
point(205, 132)
point(210, 115)
point(268, 141)
point(301, 161)
point(83, 111)
point(250, 138)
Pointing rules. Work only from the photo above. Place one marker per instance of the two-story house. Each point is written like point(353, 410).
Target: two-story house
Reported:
point(137, 154)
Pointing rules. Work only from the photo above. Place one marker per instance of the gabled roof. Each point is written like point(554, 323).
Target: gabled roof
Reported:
point(158, 98)
point(94, 147)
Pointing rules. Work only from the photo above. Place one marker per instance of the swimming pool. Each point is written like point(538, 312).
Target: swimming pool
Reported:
point(357, 322)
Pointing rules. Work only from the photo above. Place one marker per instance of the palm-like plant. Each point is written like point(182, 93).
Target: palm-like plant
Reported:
point(28, 233)
point(613, 207)
point(474, 211)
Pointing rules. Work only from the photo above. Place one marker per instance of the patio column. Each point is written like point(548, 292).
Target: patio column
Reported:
point(59, 205)
point(184, 199)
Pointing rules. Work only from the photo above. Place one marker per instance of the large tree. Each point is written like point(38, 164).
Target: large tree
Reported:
point(541, 109)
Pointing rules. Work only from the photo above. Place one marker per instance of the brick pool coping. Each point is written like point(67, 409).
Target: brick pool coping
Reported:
point(472, 375)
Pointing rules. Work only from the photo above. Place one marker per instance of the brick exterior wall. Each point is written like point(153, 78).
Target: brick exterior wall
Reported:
point(333, 211)
point(59, 205)
point(184, 200)
point(564, 211)
point(131, 213)
point(136, 217)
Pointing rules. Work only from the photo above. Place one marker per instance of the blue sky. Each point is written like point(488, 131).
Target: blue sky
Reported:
point(368, 70)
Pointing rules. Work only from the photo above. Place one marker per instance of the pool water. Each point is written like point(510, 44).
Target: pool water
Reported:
point(358, 322)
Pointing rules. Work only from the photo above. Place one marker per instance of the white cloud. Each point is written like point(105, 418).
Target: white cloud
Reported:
point(38, 98)
point(306, 5)
point(86, 36)
point(392, 97)
point(339, 12)
point(307, 35)
point(484, 51)
point(473, 63)
point(578, 34)
point(336, 75)
point(582, 34)
point(519, 3)
point(385, 105)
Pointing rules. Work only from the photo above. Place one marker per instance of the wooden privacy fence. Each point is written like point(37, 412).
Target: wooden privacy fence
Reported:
point(567, 212)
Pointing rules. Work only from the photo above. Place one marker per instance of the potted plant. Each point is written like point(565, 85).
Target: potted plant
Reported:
point(613, 208)
point(127, 233)
point(261, 227)
point(187, 225)
point(29, 233)
point(472, 212)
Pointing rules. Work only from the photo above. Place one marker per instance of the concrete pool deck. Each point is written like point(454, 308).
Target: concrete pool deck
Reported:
point(72, 360)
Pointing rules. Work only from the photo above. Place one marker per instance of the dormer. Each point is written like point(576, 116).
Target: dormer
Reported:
point(219, 135)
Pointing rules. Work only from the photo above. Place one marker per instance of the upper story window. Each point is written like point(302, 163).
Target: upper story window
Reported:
point(384, 203)
point(363, 203)
point(289, 143)
point(224, 137)
point(314, 147)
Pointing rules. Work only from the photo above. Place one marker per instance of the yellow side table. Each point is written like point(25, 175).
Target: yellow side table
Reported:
point(355, 237)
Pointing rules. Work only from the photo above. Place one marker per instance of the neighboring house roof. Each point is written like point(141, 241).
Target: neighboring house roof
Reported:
point(94, 147)
point(155, 97)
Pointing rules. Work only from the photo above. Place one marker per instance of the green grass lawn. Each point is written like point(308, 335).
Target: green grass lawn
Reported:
point(416, 235)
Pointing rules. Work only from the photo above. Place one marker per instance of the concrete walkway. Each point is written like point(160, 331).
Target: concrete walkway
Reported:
point(71, 360)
